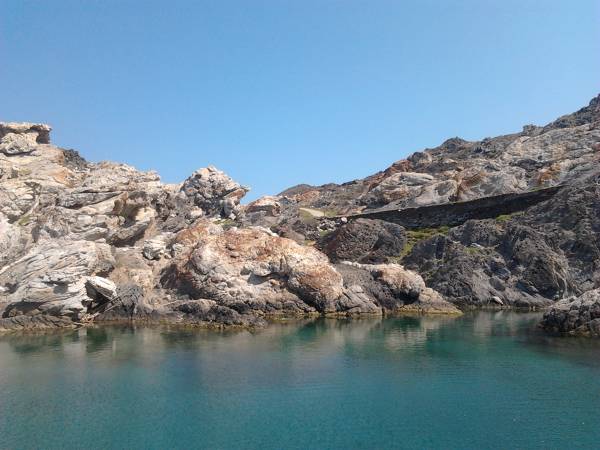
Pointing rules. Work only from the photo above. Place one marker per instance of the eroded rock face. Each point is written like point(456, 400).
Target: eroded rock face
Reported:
point(561, 152)
point(83, 242)
point(253, 271)
point(19, 138)
point(576, 316)
point(214, 192)
point(365, 241)
point(53, 278)
point(533, 259)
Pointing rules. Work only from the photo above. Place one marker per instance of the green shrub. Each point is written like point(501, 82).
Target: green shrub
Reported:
point(24, 220)
point(323, 233)
point(421, 234)
point(226, 223)
point(503, 218)
point(475, 250)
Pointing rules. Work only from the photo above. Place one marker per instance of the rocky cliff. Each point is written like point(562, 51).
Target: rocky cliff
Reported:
point(506, 221)
point(82, 242)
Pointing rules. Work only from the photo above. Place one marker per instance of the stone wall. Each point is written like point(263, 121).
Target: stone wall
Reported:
point(452, 214)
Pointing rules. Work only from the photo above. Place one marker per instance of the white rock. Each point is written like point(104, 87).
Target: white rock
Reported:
point(102, 286)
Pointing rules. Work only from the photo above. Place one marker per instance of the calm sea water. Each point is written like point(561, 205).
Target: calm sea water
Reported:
point(487, 380)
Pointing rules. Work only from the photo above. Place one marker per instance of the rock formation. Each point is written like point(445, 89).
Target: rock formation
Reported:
point(458, 170)
point(546, 248)
point(579, 316)
point(85, 242)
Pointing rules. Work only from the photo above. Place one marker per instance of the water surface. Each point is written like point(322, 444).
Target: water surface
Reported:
point(485, 380)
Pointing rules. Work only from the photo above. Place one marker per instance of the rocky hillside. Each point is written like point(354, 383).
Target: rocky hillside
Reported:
point(459, 170)
point(541, 252)
point(83, 242)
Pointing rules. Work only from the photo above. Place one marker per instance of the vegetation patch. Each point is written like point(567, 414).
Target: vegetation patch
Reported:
point(418, 235)
point(226, 223)
point(503, 218)
point(306, 217)
point(323, 233)
point(310, 215)
point(475, 250)
point(24, 220)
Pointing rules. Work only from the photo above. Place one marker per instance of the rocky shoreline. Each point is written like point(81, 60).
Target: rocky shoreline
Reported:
point(86, 243)
point(576, 316)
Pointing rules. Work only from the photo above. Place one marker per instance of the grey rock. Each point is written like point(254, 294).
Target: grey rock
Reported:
point(82, 242)
point(20, 138)
point(100, 287)
point(156, 247)
point(364, 240)
point(577, 316)
point(459, 170)
point(393, 288)
point(214, 192)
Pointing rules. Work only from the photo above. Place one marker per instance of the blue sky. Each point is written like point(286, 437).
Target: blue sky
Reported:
point(280, 92)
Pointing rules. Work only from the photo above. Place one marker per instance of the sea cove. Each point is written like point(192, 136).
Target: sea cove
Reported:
point(486, 379)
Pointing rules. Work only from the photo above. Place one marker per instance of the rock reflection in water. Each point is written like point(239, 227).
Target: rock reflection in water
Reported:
point(314, 383)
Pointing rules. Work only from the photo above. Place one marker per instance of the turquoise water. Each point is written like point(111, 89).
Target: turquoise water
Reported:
point(487, 380)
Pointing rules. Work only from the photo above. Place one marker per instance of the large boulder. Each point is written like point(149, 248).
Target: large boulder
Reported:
point(269, 205)
point(56, 278)
point(214, 192)
point(365, 241)
point(255, 272)
point(394, 288)
point(19, 138)
point(576, 316)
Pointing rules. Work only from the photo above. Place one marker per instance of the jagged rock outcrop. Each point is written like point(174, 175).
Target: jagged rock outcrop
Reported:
point(257, 273)
point(214, 192)
point(575, 316)
point(19, 138)
point(549, 252)
point(365, 241)
point(83, 242)
point(73, 233)
point(561, 152)
point(533, 258)
point(538, 249)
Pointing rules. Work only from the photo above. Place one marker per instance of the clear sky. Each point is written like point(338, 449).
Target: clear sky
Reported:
point(281, 92)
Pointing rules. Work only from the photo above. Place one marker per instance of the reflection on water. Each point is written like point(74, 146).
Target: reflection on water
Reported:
point(321, 336)
point(310, 383)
